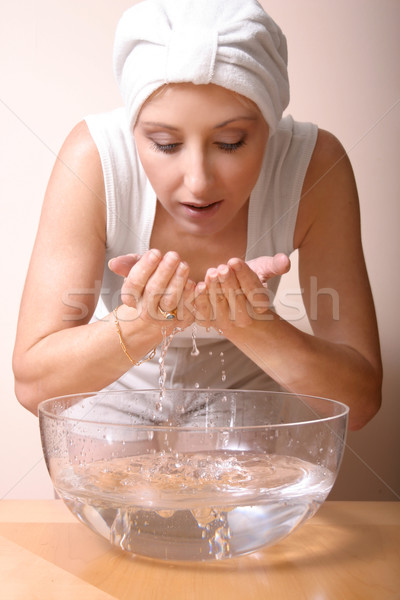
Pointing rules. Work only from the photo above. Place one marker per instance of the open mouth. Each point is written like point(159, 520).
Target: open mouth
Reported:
point(199, 207)
point(202, 207)
point(201, 213)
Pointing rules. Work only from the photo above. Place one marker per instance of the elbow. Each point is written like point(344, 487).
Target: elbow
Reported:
point(25, 390)
point(26, 397)
point(369, 404)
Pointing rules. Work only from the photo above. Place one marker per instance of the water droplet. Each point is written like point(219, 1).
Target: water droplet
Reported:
point(223, 376)
point(197, 385)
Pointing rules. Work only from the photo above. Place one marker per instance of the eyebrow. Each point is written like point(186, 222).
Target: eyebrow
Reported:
point(219, 126)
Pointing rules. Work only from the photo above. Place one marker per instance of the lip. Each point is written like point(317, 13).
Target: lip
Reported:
point(201, 210)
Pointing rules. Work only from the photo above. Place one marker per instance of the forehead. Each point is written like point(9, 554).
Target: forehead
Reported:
point(209, 99)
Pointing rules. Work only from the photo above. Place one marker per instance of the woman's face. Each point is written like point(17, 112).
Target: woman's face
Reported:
point(201, 148)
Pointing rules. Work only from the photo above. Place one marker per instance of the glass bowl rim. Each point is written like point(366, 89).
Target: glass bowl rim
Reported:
point(164, 426)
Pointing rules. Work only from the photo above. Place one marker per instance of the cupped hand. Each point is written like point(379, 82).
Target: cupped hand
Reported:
point(235, 294)
point(237, 290)
point(154, 281)
point(265, 267)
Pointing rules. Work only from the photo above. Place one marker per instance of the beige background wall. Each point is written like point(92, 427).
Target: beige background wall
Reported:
point(56, 67)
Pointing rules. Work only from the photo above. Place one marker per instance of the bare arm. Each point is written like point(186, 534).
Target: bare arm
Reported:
point(57, 350)
point(342, 359)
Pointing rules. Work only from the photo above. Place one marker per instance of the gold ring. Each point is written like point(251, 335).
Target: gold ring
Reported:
point(167, 315)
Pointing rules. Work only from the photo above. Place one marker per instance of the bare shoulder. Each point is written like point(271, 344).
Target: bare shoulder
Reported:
point(329, 187)
point(79, 147)
point(76, 184)
point(328, 161)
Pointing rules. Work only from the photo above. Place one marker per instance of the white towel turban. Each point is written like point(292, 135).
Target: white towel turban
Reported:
point(231, 43)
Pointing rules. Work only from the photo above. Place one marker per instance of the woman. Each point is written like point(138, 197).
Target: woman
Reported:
point(195, 194)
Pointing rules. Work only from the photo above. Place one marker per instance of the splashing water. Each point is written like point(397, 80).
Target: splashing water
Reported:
point(166, 341)
point(195, 351)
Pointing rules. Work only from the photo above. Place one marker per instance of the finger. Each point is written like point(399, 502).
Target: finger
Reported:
point(234, 295)
point(246, 277)
point(139, 276)
point(158, 289)
point(121, 265)
point(188, 299)
point(251, 285)
point(216, 295)
point(175, 287)
point(202, 304)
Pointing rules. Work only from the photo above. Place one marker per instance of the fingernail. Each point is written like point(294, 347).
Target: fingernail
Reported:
point(200, 288)
point(182, 268)
point(212, 274)
point(235, 264)
point(170, 258)
point(223, 273)
point(154, 256)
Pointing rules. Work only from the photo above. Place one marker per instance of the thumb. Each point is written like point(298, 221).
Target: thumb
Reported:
point(267, 267)
point(121, 265)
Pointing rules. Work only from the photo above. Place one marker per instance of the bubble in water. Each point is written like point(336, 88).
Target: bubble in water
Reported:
point(223, 376)
point(197, 385)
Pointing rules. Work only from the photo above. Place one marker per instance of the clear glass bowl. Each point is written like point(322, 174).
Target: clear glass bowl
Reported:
point(194, 474)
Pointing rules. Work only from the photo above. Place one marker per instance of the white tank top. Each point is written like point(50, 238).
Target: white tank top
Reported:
point(131, 201)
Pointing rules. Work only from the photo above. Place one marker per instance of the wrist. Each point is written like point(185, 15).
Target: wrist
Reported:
point(138, 339)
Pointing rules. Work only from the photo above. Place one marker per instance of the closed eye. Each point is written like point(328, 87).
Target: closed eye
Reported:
point(171, 148)
point(166, 148)
point(231, 147)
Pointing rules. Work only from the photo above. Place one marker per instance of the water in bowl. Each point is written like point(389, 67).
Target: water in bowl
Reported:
point(195, 506)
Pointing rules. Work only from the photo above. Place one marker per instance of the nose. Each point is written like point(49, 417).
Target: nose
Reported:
point(198, 176)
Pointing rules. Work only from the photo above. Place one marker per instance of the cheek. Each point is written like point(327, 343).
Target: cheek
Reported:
point(158, 172)
point(242, 174)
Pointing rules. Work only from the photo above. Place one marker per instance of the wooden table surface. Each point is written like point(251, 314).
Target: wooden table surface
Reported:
point(347, 551)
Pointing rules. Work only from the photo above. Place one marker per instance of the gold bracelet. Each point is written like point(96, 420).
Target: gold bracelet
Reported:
point(150, 355)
